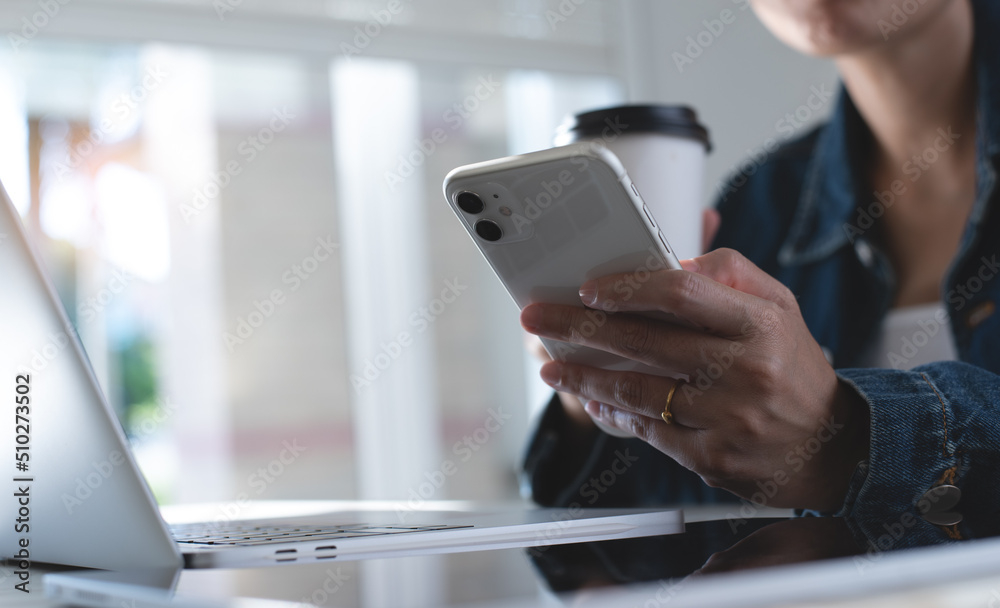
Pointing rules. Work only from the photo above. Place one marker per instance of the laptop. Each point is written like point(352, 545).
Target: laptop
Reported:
point(77, 498)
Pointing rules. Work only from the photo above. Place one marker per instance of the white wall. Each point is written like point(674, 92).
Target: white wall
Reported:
point(741, 84)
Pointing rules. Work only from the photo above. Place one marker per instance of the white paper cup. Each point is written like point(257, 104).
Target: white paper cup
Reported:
point(663, 149)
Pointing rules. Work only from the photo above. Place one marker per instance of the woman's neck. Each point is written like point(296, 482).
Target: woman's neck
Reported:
point(914, 88)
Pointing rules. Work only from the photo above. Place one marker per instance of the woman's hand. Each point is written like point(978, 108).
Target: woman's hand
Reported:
point(762, 415)
point(571, 405)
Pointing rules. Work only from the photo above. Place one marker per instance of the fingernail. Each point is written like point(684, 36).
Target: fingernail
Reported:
point(593, 408)
point(551, 374)
point(588, 293)
point(531, 318)
point(691, 265)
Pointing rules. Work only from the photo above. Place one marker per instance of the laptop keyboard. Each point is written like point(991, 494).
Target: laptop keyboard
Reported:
point(252, 533)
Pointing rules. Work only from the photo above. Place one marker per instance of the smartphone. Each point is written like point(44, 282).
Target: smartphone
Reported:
point(549, 221)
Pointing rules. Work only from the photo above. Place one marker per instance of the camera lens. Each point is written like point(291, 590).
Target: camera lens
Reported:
point(470, 203)
point(488, 230)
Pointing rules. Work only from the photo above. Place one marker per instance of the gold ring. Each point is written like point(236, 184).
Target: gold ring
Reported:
point(666, 415)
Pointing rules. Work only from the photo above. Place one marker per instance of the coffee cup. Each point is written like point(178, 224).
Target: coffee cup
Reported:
point(663, 148)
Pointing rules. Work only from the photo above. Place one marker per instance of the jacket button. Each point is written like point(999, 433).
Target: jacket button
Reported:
point(979, 314)
point(937, 503)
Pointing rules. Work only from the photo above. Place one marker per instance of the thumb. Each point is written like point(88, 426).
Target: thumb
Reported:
point(732, 269)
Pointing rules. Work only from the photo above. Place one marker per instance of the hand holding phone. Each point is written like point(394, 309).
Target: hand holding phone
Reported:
point(549, 221)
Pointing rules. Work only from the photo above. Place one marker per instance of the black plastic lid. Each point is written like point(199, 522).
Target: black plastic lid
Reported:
point(678, 121)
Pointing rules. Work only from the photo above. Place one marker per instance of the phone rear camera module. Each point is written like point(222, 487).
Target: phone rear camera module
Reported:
point(488, 230)
point(470, 203)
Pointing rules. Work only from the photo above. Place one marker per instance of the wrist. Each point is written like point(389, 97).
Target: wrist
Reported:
point(853, 446)
point(859, 424)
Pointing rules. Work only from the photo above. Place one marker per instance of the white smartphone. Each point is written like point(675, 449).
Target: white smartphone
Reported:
point(549, 221)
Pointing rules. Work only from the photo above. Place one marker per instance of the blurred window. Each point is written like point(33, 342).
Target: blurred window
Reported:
point(244, 217)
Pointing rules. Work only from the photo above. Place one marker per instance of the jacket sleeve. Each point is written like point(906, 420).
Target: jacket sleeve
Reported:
point(606, 472)
point(938, 424)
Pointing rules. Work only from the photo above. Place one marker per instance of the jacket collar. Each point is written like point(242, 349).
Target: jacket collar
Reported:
point(832, 198)
point(829, 191)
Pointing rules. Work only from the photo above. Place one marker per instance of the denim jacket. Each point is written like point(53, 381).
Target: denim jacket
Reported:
point(806, 215)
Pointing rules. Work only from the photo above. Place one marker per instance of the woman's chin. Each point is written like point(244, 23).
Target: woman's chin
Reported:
point(839, 27)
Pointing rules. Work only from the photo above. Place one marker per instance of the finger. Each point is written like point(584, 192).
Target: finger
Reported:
point(695, 298)
point(637, 393)
point(655, 343)
point(679, 442)
point(732, 269)
point(710, 222)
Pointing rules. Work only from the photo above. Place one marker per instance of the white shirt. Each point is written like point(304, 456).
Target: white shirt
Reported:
point(913, 336)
